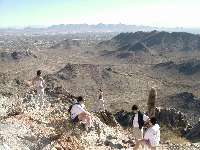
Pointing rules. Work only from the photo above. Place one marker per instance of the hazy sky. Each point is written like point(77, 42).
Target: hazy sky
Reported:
point(161, 13)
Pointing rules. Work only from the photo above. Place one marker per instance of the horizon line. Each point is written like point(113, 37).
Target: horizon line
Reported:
point(47, 26)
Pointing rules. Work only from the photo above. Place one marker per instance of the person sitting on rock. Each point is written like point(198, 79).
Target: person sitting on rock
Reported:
point(99, 104)
point(151, 136)
point(139, 119)
point(79, 113)
point(39, 83)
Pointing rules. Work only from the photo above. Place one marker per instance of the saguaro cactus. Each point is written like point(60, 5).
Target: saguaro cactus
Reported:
point(151, 102)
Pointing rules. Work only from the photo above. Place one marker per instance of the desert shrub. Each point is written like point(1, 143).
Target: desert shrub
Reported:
point(10, 106)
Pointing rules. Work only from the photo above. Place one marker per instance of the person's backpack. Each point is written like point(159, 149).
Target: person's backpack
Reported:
point(140, 119)
point(70, 108)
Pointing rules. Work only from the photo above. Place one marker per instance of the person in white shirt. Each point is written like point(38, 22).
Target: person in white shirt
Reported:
point(139, 119)
point(151, 136)
point(39, 83)
point(99, 104)
point(79, 113)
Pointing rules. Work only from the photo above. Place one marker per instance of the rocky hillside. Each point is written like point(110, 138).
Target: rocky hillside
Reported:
point(23, 125)
point(67, 44)
point(117, 83)
point(149, 45)
point(175, 41)
point(16, 55)
point(50, 127)
point(188, 68)
point(184, 102)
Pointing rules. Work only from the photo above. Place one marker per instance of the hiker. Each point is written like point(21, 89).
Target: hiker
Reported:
point(99, 104)
point(79, 113)
point(151, 136)
point(151, 102)
point(139, 119)
point(39, 83)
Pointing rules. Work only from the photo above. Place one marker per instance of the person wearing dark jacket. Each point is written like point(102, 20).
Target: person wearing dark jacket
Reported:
point(139, 119)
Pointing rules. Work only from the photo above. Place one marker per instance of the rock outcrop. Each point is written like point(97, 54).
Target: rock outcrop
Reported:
point(124, 118)
point(172, 118)
point(194, 133)
point(16, 55)
point(186, 103)
point(188, 67)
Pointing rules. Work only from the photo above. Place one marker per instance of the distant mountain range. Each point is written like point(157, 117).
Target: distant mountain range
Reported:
point(82, 28)
point(155, 40)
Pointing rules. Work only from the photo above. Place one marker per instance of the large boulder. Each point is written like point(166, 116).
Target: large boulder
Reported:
point(107, 118)
point(171, 118)
point(194, 133)
point(124, 118)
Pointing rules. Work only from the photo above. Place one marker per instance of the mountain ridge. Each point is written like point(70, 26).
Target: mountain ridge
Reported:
point(152, 43)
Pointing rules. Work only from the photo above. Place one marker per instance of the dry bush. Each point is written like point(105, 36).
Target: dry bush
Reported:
point(67, 142)
point(10, 106)
point(173, 136)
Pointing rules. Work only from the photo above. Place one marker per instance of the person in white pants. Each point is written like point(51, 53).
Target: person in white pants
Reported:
point(139, 120)
point(39, 83)
point(99, 104)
